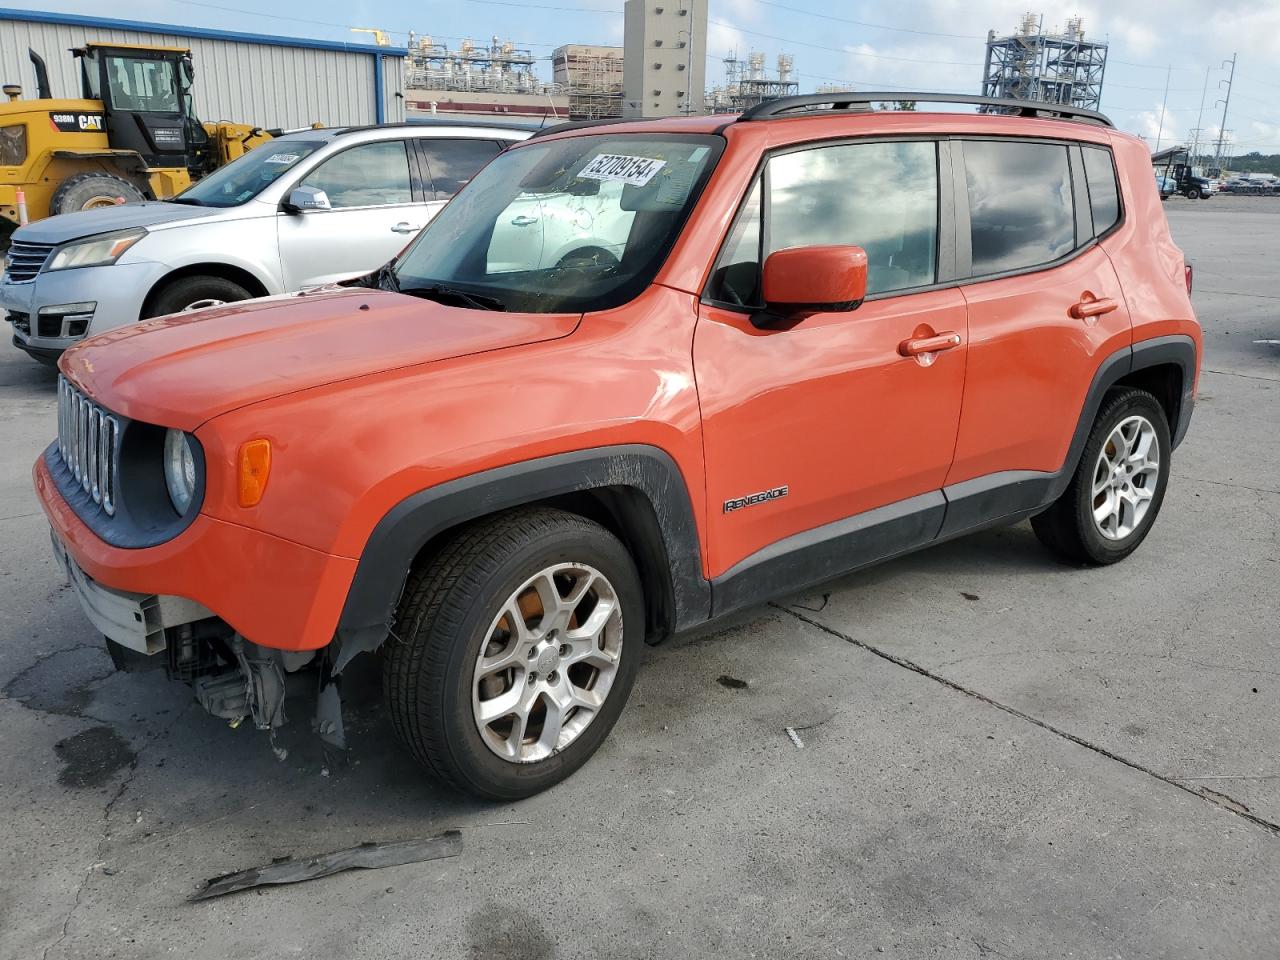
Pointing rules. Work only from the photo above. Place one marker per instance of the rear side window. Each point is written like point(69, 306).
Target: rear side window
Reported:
point(1104, 196)
point(1021, 212)
point(451, 163)
point(882, 197)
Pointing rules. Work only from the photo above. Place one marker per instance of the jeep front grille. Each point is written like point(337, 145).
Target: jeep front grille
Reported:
point(89, 441)
point(25, 260)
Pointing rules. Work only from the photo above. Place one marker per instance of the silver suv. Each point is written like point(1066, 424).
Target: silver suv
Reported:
point(305, 209)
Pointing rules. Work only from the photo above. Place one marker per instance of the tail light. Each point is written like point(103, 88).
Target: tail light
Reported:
point(1188, 269)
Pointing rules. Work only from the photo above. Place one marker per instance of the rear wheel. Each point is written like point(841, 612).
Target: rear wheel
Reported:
point(88, 191)
point(194, 293)
point(1118, 487)
point(514, 652)
point(1195, 193)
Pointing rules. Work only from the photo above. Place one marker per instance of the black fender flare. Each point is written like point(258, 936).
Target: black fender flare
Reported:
point(1177, 349)
point(649, 472)
point(1015, 494)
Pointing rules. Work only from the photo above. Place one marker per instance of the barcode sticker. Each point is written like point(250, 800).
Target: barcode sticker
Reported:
point(636, 171)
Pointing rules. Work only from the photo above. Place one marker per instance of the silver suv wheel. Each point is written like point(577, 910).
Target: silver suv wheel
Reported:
point(1124, 477)
point(548, 661)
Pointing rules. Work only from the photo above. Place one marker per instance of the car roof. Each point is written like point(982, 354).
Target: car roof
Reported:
point(387, 130)
point(816, 110)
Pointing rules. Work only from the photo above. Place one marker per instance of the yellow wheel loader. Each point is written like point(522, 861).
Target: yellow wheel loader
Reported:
point(133, 135)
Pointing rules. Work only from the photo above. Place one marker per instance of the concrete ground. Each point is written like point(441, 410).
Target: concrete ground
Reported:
point(1002, 756)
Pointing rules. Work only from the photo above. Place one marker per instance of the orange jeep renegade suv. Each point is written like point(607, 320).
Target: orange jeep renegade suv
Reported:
point(788, 344)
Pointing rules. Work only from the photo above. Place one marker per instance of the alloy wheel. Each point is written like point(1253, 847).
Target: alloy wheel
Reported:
point(202, 303)
point(547, 663)
point(1124, 477)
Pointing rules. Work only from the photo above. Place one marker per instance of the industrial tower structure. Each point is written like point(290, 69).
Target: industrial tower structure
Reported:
point(747, 84)
point(1051, 67)
point(665, 57)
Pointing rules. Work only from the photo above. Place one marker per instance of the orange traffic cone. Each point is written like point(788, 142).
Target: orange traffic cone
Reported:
point(22, 208)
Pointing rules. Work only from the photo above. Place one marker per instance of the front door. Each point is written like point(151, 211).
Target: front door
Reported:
point(374, 211)
point(825, 421)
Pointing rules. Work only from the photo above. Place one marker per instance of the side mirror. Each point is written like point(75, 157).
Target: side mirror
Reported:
point(802, 281)
point(188, 70)
point(302, 199)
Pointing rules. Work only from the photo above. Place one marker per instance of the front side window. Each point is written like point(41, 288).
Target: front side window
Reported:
point(453, 162)
point(1104, 197)
point(370, 175)
point(881, 196)
point(567, 225)
point(1021, 212)
point(246, 177)
point(142, 86)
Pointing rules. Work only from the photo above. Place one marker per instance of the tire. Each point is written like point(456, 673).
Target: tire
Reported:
point(1070, 527)
point(193, 293)
point(85, 191)
point(587, 257)
point(1195, 194)
point(435, 686)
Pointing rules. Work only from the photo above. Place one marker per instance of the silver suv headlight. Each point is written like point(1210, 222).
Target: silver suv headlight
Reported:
point(179, 470)
point(100, 251)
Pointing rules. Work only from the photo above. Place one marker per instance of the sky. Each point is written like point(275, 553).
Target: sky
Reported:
point(887, 44)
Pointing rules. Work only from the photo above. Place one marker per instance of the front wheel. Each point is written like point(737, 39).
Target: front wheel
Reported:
point(1118, 487)
point(1195, 193)
point(514, 652)
point(194, 293)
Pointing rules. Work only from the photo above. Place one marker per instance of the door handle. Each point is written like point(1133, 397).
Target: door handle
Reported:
point(405, 227)
point(1091, 306)
point(918, 345)
point(523, 221)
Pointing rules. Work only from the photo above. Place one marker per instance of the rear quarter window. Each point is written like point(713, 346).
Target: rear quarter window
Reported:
point(1104, 195)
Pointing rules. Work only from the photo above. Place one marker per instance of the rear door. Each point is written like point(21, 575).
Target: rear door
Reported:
point(376, 206)
point(1050, 308)
point(827, 420)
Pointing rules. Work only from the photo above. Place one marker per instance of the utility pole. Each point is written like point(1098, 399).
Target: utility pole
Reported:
point(1195, 143)
point(1222, 128)
point(1163, 106)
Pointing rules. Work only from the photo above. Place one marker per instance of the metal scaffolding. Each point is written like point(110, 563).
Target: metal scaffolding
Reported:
point(498, 68)
point(1050, 67)
point(592, 78)
point(746, 83)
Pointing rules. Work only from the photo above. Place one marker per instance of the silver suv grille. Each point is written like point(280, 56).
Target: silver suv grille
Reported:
point(25, 260)
point(89, 441)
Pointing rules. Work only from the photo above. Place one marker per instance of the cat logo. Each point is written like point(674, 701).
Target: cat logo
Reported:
point(78, 122)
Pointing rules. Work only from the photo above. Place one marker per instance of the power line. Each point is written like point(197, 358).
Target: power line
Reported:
point(842, 50)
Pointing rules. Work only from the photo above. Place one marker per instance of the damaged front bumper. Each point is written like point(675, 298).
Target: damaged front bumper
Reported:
point(232, 677)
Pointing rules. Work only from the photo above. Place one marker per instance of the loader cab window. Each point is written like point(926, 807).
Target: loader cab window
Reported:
point(139, 85)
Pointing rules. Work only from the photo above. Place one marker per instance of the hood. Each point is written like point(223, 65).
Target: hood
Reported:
point(86, 223)
point(182, 370)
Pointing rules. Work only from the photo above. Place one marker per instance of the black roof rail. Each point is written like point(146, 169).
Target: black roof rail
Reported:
point(578, 125)
point(862, 100)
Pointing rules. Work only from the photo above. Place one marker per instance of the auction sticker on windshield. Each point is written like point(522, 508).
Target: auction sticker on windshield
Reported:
point(282, 158)
point(636, 171)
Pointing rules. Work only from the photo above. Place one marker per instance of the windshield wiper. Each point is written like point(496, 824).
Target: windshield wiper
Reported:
point(444, 294)
point(189, 201)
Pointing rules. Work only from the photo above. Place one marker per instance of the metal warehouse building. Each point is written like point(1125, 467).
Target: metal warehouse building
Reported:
point(252, 78)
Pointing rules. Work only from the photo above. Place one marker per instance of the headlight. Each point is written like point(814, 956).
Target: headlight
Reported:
point(95, 251)
point(179, 470)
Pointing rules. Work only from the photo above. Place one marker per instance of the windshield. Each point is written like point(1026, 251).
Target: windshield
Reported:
point(243, 179)
point(563, 226)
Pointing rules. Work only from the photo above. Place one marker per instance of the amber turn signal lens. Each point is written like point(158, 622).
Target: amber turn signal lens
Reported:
point(254, 468)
